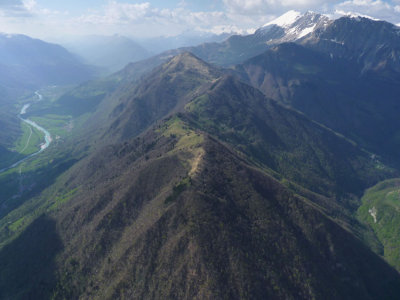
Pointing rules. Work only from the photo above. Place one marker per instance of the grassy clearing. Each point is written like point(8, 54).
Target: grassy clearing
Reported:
point(187, 138)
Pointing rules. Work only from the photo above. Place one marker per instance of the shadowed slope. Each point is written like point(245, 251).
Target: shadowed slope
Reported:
point(332, 91)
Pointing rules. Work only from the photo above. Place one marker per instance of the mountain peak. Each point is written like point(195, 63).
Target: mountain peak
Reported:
point(186, 55)
point(187, 61)
point(296, 25)
point(286, 19)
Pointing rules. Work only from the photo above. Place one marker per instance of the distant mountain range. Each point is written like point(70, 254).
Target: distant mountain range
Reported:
point(186, 39)
point(304, 29)
point(109, 52)
point(33, 63)
point(112, 53)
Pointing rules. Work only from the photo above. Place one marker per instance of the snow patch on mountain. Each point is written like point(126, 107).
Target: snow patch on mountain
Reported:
point(305, 31)
point(296, 25)
point(286, 19)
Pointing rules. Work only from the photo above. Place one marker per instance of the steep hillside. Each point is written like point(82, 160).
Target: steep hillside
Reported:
point(134, 106)
point(175, 213)
point(283, 140)
point(375, 45)
point(332, 91)
point(218, 193)
point(277, 138)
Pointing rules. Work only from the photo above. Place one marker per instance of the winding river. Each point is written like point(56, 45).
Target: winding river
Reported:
point(47, 135)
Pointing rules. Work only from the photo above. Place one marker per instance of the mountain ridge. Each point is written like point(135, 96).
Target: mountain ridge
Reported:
point(192, 181)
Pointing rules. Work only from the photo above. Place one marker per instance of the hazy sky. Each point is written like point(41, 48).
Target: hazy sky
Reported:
point(56, 18)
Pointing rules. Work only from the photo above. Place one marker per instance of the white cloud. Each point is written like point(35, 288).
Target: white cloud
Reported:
point(263, 7)
point(117, 13)
point(29, 5)
point(374, 8)
point(144, 19)
point(220, 29)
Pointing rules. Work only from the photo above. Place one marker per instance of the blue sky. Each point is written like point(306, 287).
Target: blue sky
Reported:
point(58, 18)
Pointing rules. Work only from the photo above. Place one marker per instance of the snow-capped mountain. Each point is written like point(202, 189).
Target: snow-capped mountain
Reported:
point(293, 26)
point(371, 43)
point(374, 45)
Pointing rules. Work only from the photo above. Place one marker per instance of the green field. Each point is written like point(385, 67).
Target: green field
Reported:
point(57, 125)
point(30, 140)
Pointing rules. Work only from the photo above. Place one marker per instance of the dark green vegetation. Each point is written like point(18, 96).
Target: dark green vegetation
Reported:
point(380, 209)
point(188, 182)
point(283, 140)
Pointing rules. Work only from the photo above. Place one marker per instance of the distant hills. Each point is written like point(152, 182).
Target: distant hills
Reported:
point(110, 52)
point(114, 52)
point(32, 63)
